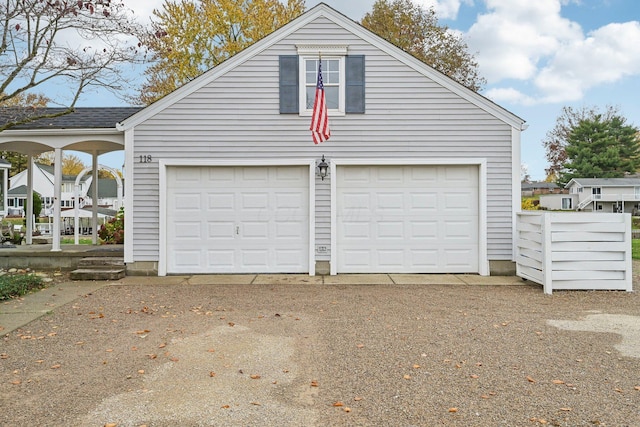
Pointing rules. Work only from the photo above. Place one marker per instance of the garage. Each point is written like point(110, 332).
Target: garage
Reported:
point(237, 219)
point(407, 219)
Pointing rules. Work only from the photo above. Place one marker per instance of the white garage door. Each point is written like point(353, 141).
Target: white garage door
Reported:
point(407, 219)
point(238, 219)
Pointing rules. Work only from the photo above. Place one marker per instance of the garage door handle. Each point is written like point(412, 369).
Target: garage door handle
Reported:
point(237, 229)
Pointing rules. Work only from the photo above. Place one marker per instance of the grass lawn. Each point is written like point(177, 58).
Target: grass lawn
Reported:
point(635, 249)
point(71, 241)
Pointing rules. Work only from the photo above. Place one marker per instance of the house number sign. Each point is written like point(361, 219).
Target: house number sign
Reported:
point(145, 158)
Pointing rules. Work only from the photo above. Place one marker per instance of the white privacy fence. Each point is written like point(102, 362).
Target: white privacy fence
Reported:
point(575, 250)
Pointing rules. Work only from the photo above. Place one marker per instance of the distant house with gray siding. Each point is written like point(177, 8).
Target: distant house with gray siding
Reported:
point(222, 177)
point(597, 195)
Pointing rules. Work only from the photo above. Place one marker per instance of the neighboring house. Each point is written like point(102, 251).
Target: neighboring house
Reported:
point(597, 194)
point(43, 184)
point(222, 177)
point(540, 187)
point(107, 194)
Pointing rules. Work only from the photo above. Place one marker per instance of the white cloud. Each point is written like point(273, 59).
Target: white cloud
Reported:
point(143, 10)
point(608, 54)
point(445, 9)
point(532, 42)
point(509, 95)
point(515, 35)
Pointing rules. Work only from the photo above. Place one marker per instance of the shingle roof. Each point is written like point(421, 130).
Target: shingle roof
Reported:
point(80, 118)
point(605, 182)
point(106, 187)
point(532, 185)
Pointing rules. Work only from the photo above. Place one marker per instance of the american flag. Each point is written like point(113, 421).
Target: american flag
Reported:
point(319, 120)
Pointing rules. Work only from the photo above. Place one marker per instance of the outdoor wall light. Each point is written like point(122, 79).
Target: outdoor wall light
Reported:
point(323, 168)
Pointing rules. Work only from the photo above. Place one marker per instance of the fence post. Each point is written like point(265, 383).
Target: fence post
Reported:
point(628, 237)
point(547, 262)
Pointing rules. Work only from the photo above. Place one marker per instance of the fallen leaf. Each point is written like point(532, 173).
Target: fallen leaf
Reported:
point(565, 409)
point(152, 356)
point(255, 377)
point(110, 425)
point(357, 398)
point(143, 331)
point(212, 374)
point(256, 403)
point(225, 406)
point(16, 382)
point(231, 324)
point(141, 371)
point(338, 403)
point(163, 345)
point(475, 376)
point(637, 387)
point(453, 409)
point(4, 356)
point(360, 345)
point(531, 380)
point(407, 377)
point(416, 366)
point(347, 409)
point(314, 383)
point(211, 350)
point(56, 366)
point(557, 382)
point(484, 396)
point(174, 359)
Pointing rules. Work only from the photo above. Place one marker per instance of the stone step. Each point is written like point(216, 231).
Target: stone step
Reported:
point(92, 262)
point(101, 273)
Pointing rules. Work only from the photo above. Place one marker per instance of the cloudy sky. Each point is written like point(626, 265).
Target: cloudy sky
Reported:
point(537, 56)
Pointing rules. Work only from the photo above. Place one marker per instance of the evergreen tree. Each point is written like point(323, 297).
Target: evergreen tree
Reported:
point(601, 148)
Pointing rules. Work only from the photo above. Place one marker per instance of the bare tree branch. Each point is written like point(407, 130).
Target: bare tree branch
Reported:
point(76, 44)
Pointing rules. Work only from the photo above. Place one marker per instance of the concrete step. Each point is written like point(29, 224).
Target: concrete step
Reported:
point(97, 273)
point(105, 261)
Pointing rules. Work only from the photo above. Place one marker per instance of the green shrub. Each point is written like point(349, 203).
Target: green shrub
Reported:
point(113, 231)
point(12, 286)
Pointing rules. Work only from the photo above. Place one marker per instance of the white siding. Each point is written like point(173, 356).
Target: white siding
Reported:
point(407, 115)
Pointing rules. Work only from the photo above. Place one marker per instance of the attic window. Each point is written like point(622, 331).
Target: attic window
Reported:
point(343, 78)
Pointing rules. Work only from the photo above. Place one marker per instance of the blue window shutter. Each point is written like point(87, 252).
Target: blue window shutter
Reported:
point(289, 85)
point(355, 87)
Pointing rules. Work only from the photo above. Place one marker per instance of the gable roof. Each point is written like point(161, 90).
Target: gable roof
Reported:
point(107, 187)
point(538, 185)
point(80, 118)
point(323, 10)
point(604, 182)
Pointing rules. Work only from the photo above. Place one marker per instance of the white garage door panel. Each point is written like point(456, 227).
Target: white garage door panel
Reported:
point(411, 219)
point(238, 219)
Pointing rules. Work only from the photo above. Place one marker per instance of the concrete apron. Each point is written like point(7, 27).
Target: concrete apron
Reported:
point(20, 311)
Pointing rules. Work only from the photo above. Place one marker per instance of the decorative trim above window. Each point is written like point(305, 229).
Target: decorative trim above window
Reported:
point(324, 49)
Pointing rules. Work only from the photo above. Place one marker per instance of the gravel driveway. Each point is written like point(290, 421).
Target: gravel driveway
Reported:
point(330, 355)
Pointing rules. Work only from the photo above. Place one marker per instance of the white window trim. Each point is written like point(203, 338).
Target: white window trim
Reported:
point(328, 51)
point(302, 102)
